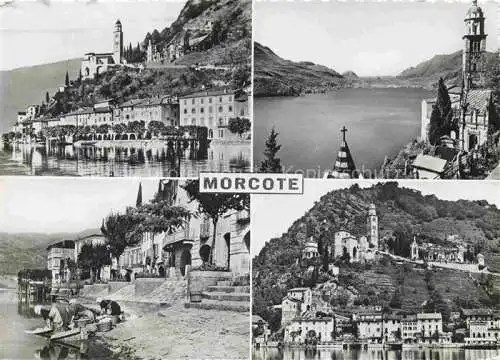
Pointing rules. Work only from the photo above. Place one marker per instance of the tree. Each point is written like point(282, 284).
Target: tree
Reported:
point(441, 116)
point(47, 97)
point(271, 164)
point(66, 80)
point(93, 258)
point(138, 201)
point(215, 205)
point(120, 230)
point(239, 125)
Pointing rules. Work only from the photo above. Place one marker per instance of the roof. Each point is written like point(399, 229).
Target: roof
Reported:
point(428, 316)
point(64, 244)
point(299, 289)
point(430, 163)
point(477, 312)
point(478, 100)
point(103, 109)
point(79, 112)
point(209, 93)
point(256, 319)
point(89, 236)
point(292, 299)
point(132, 102)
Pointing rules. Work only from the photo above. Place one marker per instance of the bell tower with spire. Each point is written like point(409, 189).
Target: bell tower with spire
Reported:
point(344, 166)
point(474, 48)
point(372, 224)
point(118, 42)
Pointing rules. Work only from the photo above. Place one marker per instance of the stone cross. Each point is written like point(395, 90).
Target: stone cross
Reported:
point(343, 131)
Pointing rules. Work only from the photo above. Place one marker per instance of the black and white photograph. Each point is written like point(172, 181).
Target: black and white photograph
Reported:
point(377, 270)
point(374, 89)
point(122, 269)
point(113, 88)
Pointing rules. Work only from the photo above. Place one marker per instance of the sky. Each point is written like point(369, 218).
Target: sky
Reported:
point(369, 38)
point(33, 33)
point(272, 215)
point(53, 205)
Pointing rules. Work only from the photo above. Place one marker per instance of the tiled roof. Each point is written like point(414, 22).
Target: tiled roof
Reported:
point(429, 316)
point(477, 312)
point(133, 102)
point(209, 93)
point(478, 100)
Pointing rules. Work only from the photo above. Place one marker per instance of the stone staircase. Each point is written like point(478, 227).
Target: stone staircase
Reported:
point(225, 296)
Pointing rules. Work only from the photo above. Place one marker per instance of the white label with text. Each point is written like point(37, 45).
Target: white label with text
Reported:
point(251, 183)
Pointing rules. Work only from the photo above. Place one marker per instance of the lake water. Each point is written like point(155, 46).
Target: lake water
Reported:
point(418, 354)
point(379, 123)
point(154, 161)
point(16, 344)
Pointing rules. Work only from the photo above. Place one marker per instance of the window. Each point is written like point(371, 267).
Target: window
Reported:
point(185, 111)
point(202, 110)
point(230, 108)
point(230, 98)
point(193, 121)
point(209, 100)
point(220, 98)
point(193, 111)
point(185, 102)
point(221, 109)
point(201, 100)
point(210, 109)
point(221, 134)
point(192, 101)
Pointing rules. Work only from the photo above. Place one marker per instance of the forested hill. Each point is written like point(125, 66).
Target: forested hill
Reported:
point(29, 250)
point(402, 214)
point(228, 24)
point(275, 76)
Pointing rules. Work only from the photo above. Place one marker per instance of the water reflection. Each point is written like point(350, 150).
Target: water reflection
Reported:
point(374, 354)
point(140, 160)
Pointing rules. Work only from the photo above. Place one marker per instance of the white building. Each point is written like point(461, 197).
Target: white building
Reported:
point(300, 329)
point(57, 259)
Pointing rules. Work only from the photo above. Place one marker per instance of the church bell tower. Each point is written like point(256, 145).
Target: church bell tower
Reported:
point(474, 48)
point(372, 223)
point(118, 42)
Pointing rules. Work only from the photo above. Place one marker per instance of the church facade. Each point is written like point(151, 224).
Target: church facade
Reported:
point(472, 104)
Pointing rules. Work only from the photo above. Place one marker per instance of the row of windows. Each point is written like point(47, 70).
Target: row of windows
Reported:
point(210, 109)
point(210, 100)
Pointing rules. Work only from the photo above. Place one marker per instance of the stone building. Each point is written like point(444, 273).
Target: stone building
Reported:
point(297, 301)
point(94, 64)
point(310, 250)
point(300, 329)
point(172, 254)
point(57, 256)
point(213, 109)
point(472, 104)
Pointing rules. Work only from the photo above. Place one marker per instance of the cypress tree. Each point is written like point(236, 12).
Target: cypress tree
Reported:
point(66, 81)
point(47, 97)
point(271, 164)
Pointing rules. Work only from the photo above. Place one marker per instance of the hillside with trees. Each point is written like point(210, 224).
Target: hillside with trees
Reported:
point(403, 213)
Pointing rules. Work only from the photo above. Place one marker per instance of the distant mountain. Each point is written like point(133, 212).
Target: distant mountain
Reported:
point(27, 85)
point(29, 250)
point(449, 67)
point(275, 76)
point(403, 213)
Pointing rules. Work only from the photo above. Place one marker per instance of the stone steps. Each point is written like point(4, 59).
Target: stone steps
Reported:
point(226, 296)
point(229, 289)
point(207, 304)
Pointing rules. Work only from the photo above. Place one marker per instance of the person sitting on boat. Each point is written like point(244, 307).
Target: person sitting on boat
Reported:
point(58, 317)
point(109, 307)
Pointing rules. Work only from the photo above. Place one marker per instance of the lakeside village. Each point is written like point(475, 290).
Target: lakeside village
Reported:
point(219, 114)
point(307, 319)
point(154, 257)
point(460, 129)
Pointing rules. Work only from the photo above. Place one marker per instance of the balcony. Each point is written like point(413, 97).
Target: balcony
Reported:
point(181, 236)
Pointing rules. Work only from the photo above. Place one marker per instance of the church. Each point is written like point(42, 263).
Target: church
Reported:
point(346, 245)
point(472, 103)
point(94, 64)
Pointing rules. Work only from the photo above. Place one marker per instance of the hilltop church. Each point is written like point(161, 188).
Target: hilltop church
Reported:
point(94, 64)
point(472, 104)
point(346, 245)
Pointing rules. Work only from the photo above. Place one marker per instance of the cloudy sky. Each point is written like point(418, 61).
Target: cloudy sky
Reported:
point(272, 215)
point(65, 204)
point(370, 38)
point(34, 33)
